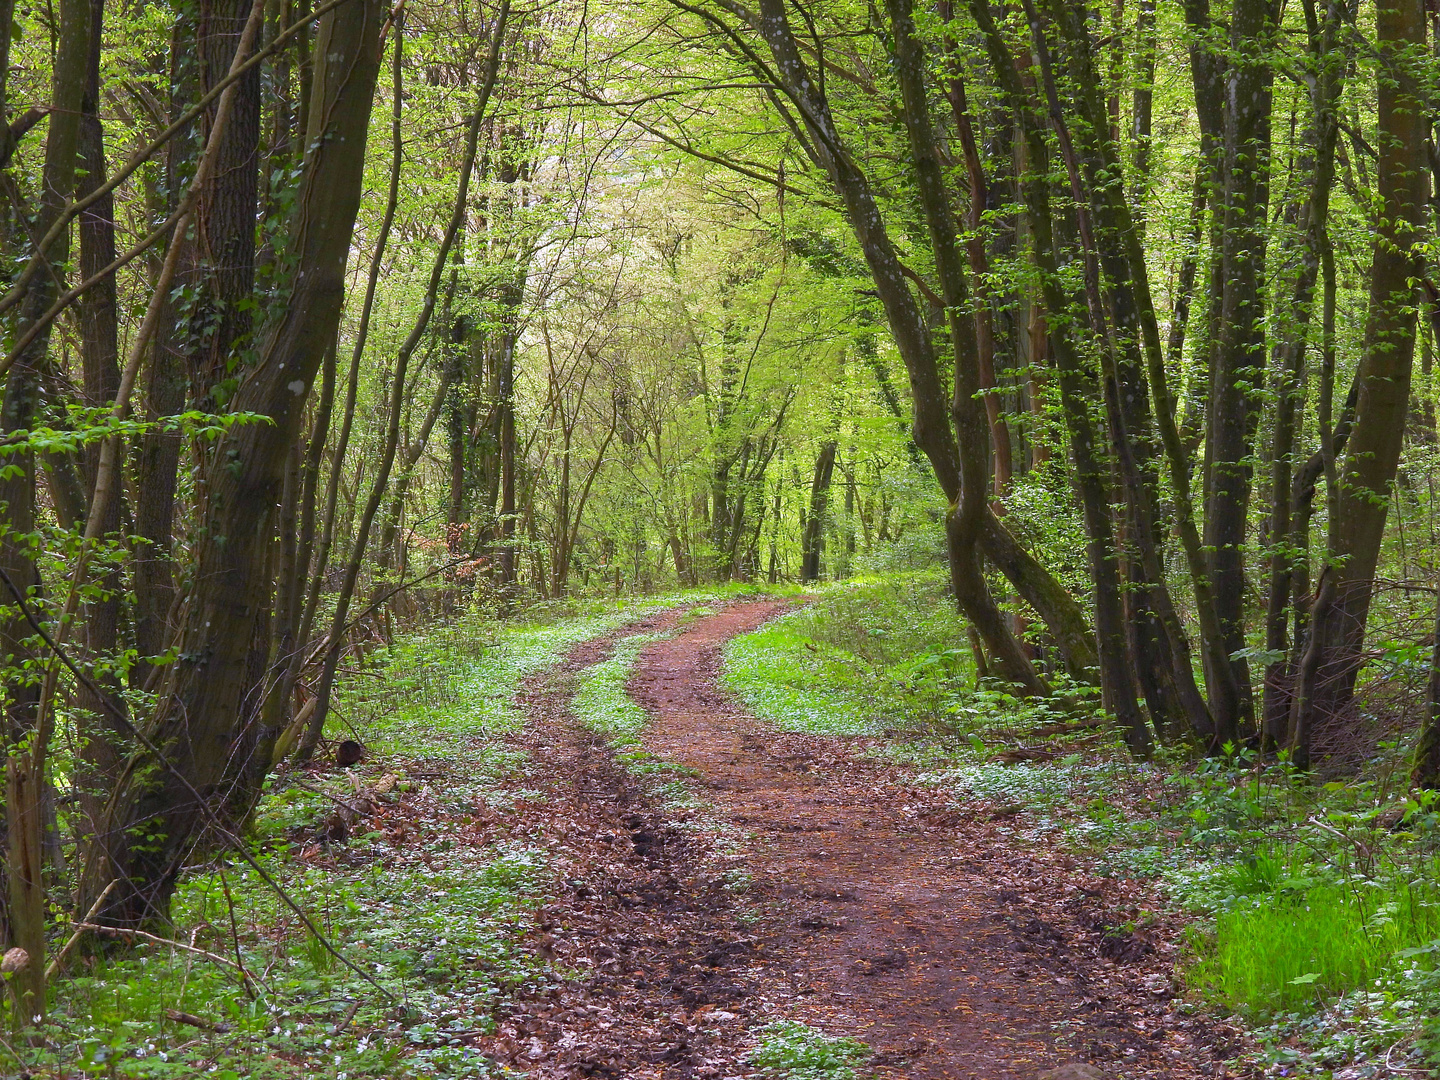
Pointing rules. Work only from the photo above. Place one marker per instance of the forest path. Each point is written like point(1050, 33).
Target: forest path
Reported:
point(813, 883)
point(952, 950)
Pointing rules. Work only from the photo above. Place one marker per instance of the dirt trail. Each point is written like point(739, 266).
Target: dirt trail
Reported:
point(952, 951)
point(876, 909)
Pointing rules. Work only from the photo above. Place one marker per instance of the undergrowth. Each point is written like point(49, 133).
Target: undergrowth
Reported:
point(792, 1051)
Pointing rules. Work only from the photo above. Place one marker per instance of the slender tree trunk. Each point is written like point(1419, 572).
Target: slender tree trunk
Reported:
point(812, 543)
point(398, 389)
point(25, 745)
point(157, 458)
point(98, 733)
point(970, 442)
point(1290, 370)
point(1077, 392)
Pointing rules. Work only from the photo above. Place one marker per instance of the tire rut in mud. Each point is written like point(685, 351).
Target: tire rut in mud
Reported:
point(640, 911)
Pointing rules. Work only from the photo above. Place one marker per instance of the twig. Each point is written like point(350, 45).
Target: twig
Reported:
point(123, 932)
point(195, 1021)
point(349, 1016)
point(54, 965)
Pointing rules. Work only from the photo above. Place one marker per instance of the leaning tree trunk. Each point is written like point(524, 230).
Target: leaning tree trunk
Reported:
point(956, 473)
point(172, 785)
point(1337, 627)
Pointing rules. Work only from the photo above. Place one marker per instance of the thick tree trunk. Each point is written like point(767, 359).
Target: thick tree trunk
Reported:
point(1240, 352)
point(170, 798)
point(1290, 373)
point(225, 214)
point(1333, 655)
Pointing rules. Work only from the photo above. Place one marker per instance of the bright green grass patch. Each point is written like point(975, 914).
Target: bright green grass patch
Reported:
point(459, 680)
point(601, 702)
point(1292, 952)
point(604, 706)
point(791, 1051)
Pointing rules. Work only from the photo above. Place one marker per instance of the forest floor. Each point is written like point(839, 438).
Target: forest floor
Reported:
point(715, 877)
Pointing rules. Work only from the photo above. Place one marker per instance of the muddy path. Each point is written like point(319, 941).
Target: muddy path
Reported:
point(810, 882)
point(950, 948)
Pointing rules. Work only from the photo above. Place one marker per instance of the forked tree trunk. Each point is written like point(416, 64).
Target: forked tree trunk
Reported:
point(812, 543)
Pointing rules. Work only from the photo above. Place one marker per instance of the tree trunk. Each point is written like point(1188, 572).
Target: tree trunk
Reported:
point(398, 389)
point(1077, 392)
point(99, 737)
point(812, 543)
point(1333, 655)
point(25, 746)
point(1240, 352)
point(193, 728)
point(1290, 372)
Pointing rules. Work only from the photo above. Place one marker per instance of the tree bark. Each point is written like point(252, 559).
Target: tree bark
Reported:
point(194, 725)
point(336, 638)
point(1333, 655)
point(813, 541)
point(99, 737)
point(1240, 352)
point(25, 763)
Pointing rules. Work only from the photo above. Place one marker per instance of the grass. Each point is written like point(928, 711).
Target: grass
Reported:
point(1292, 950)
point(881, 655)
point(458, 680)
point(601, 702)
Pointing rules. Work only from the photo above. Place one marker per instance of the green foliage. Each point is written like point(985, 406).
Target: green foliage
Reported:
point(792, 1051)
point(602, 704)
point(458, 680)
